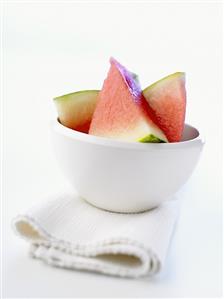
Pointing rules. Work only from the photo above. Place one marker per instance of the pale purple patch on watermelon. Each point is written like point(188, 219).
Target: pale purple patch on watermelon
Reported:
point(129, 79)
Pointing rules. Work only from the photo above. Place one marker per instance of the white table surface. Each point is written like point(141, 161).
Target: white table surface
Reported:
point(51, 49)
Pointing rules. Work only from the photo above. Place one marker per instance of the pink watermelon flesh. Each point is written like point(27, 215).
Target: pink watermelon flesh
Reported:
point(167, 98)
point(122, 112)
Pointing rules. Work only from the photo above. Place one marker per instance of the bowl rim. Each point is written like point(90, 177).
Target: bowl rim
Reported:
point(57, 127)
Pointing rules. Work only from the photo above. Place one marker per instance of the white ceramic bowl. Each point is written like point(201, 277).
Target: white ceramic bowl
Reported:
point(124, 176)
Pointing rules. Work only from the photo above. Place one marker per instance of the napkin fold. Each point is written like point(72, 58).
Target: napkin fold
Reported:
point(66, 231)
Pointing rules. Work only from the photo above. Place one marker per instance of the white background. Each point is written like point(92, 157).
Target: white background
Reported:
point(52, 49)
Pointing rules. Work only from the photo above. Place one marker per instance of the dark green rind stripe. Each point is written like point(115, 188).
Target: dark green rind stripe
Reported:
point(151, 139)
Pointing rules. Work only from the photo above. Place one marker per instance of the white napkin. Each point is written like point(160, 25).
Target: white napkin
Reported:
point(68, 232)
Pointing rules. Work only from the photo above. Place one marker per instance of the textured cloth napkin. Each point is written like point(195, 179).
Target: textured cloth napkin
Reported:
point(68, 232)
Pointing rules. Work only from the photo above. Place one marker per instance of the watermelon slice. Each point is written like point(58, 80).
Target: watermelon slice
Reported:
point(167, 98)
point(75, 110)
point(122, 112)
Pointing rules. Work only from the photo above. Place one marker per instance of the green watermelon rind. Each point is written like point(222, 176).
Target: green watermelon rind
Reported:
point(70, 96)
point(172, 76)
point(75, 109)
point(151, 139)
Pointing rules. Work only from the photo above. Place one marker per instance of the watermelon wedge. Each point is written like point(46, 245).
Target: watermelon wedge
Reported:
point(122, 112)
point(167, 99)
point(75, 110)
